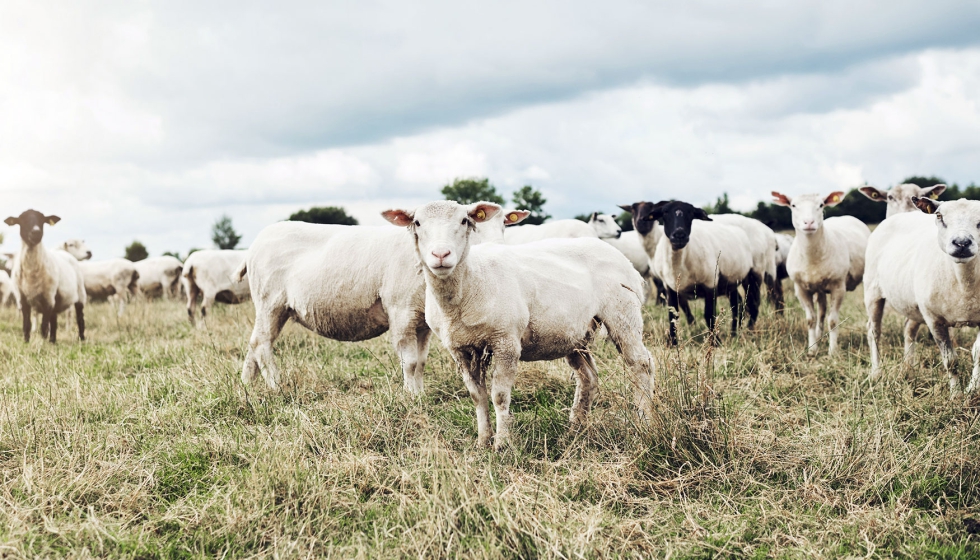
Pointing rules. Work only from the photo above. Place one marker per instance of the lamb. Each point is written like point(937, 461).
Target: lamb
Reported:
point(342, 282)
point(47, 281)
point(159, 276)
point(899, 198)
point(926, 269)
point(827, 258)
point(649, 232)
point(550, 230)
point(111, 279)
point(539, 301)
point(700, 257)
point(208, 274)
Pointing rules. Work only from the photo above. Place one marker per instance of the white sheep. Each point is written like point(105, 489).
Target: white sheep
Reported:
point(762, 245)
point(557, 229)
point(114, 280)
point(46, 281)
point(605, 226)
point(8, 293)
point(628, 243)
point(926, 269)
point(342, 282)
point(899, 198)
point(208, 274)
point(539, 301)
point(826, 259)
point(700, 257)
point(159, 276)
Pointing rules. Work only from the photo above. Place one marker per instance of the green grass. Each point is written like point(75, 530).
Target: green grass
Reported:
point(142, 442)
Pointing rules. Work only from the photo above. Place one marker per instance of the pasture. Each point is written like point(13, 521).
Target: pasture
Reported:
point(142, 442)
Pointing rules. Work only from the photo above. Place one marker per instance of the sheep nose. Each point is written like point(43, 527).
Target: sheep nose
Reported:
point(962, 242)
point(441, 253)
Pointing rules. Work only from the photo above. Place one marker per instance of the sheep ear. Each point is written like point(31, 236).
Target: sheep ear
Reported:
point(400, 218)
point(934, 191)
point(834, 198)
point(12, 221)
point(483, 211)
point(700, 214)
point(926, 205)
point(780, 199)
point(515, 217)
point(593, 217)
point(51, 220)
point(627, 208)
point(873, 193)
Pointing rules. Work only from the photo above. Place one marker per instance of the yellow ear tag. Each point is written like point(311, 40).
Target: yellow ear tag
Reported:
point(836, 198)
point(513, 217)
point(934, 196)
point(481, 215)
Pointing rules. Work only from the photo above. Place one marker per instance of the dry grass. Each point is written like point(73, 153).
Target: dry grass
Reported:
point(142, 442)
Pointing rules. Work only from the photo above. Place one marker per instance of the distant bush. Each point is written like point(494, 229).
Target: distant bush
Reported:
point(324, 215)
point(136, 251)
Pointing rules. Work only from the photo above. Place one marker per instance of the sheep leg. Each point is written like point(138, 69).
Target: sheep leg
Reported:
point(474, 377)
point(875, 307)
point(192, 293)
point(423, 334)
point(735, 303)
point(504, 375)
point(806, 302)
point(686, 308)
point(911, 329)
point(25, 310)
point(753, 298)
point(940, 332)
point(207, 303)
point(709, 316)
point(661, 291)
point(836, 299)
point(51, 318)
point(586, 384)
point(974, 383)
point(672, 316)
point(626, 332)
point(774, 291)
point(405, 339)
point(80, 319)
point(821, 307)
point(259, 356)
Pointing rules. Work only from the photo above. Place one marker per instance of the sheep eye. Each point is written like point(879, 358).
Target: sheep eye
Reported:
point(821, 204)
point(650, 217)
point(417, 224)
point(463, 222)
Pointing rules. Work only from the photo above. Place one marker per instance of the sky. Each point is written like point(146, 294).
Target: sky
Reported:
point(143, 120)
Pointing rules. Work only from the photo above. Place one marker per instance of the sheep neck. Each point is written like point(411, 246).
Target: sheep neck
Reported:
point(31, 259)
point(967, 275)
point(814, 245)
point(450, 291)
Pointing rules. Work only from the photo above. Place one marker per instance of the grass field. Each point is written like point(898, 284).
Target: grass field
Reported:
point(142, 442)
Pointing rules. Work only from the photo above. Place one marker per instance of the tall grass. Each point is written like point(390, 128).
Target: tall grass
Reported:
point(141, 442)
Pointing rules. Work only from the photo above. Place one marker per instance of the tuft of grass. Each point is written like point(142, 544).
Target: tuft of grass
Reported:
point(142, 442)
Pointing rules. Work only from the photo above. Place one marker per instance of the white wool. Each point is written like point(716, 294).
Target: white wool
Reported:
point(7, 290)
point(762, 242)
point(159, 275)
point(910, 267)
point(537, 301)
point(47, 281)
point(716, 251)
point(630, 245)
point(208, 274)
point(550, 230)
point(112, 279)
point(345, 283)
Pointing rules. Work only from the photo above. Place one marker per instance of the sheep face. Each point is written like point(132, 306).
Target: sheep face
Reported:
point(807, 209)
point(899, 199)
point(644, 218)
point(32, 224)
point(442, 231)
point(677, 218)
point(957, 226)
point(605, 226)
point(78, 249)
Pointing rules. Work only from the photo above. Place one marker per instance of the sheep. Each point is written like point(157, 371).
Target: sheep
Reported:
point(899, 198)
point(605, 226)
point(628, 243)
point(926, 269)
point(208, 274)
point(551, 230)
point(114, 280)
point(8, 294)
point(649, 233)
point(539, 301)
point(342, 282)
point(762, 242)
point(700, 257)
point(47, 281)
point(826, 258)
point(159, 275)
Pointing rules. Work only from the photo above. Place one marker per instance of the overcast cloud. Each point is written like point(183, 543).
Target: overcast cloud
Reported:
point(144, 120)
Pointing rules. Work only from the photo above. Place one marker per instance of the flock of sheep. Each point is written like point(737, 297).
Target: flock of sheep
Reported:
point(500, 295)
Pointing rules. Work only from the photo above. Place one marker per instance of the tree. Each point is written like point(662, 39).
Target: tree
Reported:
point(224, 235)
point(468, 191)
point(324, 215)
point(173, 254)
point(721, 206)
point(136, 251)
point(625, 221)
point(530, 199)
